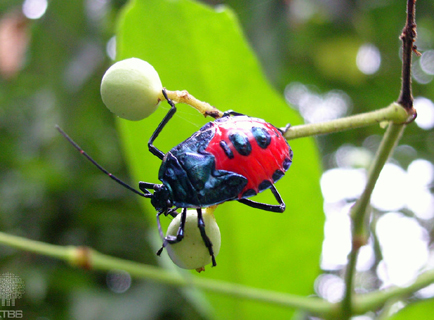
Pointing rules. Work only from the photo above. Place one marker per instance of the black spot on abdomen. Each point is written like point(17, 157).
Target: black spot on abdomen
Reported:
point(226, 149)
point(241, 143)
point(262, 137)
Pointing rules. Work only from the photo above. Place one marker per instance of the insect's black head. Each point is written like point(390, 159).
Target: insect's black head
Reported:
point(161, 198)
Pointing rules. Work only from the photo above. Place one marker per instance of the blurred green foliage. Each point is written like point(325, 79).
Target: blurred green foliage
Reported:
point(49, 193)
point(420, 310)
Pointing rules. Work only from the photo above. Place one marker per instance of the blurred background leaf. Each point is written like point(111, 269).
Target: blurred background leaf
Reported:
point(196, 48)
point(418, 310)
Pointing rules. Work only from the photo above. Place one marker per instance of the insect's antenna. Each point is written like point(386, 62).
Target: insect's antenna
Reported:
point(96, 164)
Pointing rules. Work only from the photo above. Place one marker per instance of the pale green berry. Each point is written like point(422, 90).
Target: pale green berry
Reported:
point(131, 89)
point(191, 252)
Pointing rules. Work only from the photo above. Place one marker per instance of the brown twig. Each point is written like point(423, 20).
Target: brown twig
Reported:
point(408, 37)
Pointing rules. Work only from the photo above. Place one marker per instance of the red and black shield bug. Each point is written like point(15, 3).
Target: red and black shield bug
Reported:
point(232, 158)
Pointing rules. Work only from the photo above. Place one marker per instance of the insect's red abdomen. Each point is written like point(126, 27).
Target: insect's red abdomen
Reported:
point(253, 148)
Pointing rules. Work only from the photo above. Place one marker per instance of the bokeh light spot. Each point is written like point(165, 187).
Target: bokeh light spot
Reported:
point(425, 113)
point(389, 193)
point(315, 107)
point(368, 58)
point(330, 287)
point(342, 184)
point(419, 73)
point(34, 9)
point(111, 48)
point(404, 245)
point(427, 62)
point(118, 281)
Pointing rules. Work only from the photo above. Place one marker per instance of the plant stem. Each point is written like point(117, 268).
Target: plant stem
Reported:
point(184, 97)
point(88, 258)
point(91, 259)
point(375, 300)
point(54, 251)
point(394, 113)
point(359, 211)
point(388, 143)
point(408, 37)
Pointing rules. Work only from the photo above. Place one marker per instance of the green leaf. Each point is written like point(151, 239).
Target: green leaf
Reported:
point(420, 310)
point(203, 50)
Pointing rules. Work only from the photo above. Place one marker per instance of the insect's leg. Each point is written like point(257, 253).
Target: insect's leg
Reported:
point(208, 243)
point(161, 232)
point(160, 127)
point(179, 235)
point(172, 212)
point(144, 186)
point(232, 113)
point(264, 206)
point(286, 128)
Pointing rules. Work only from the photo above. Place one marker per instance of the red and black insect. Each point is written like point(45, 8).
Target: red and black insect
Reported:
point(232, 158)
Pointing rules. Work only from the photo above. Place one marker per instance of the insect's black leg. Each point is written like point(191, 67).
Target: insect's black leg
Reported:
point(286, 128)
point(144, 186)
point(172, 212)
point(208, 243)
point(232, 113)
point(160, 127)
point(179, 235)
point(161, 232)
point(161, 249)
point(264, 206)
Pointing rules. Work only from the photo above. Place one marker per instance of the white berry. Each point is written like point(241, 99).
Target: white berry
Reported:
point(191, 252)
point(131, 89)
